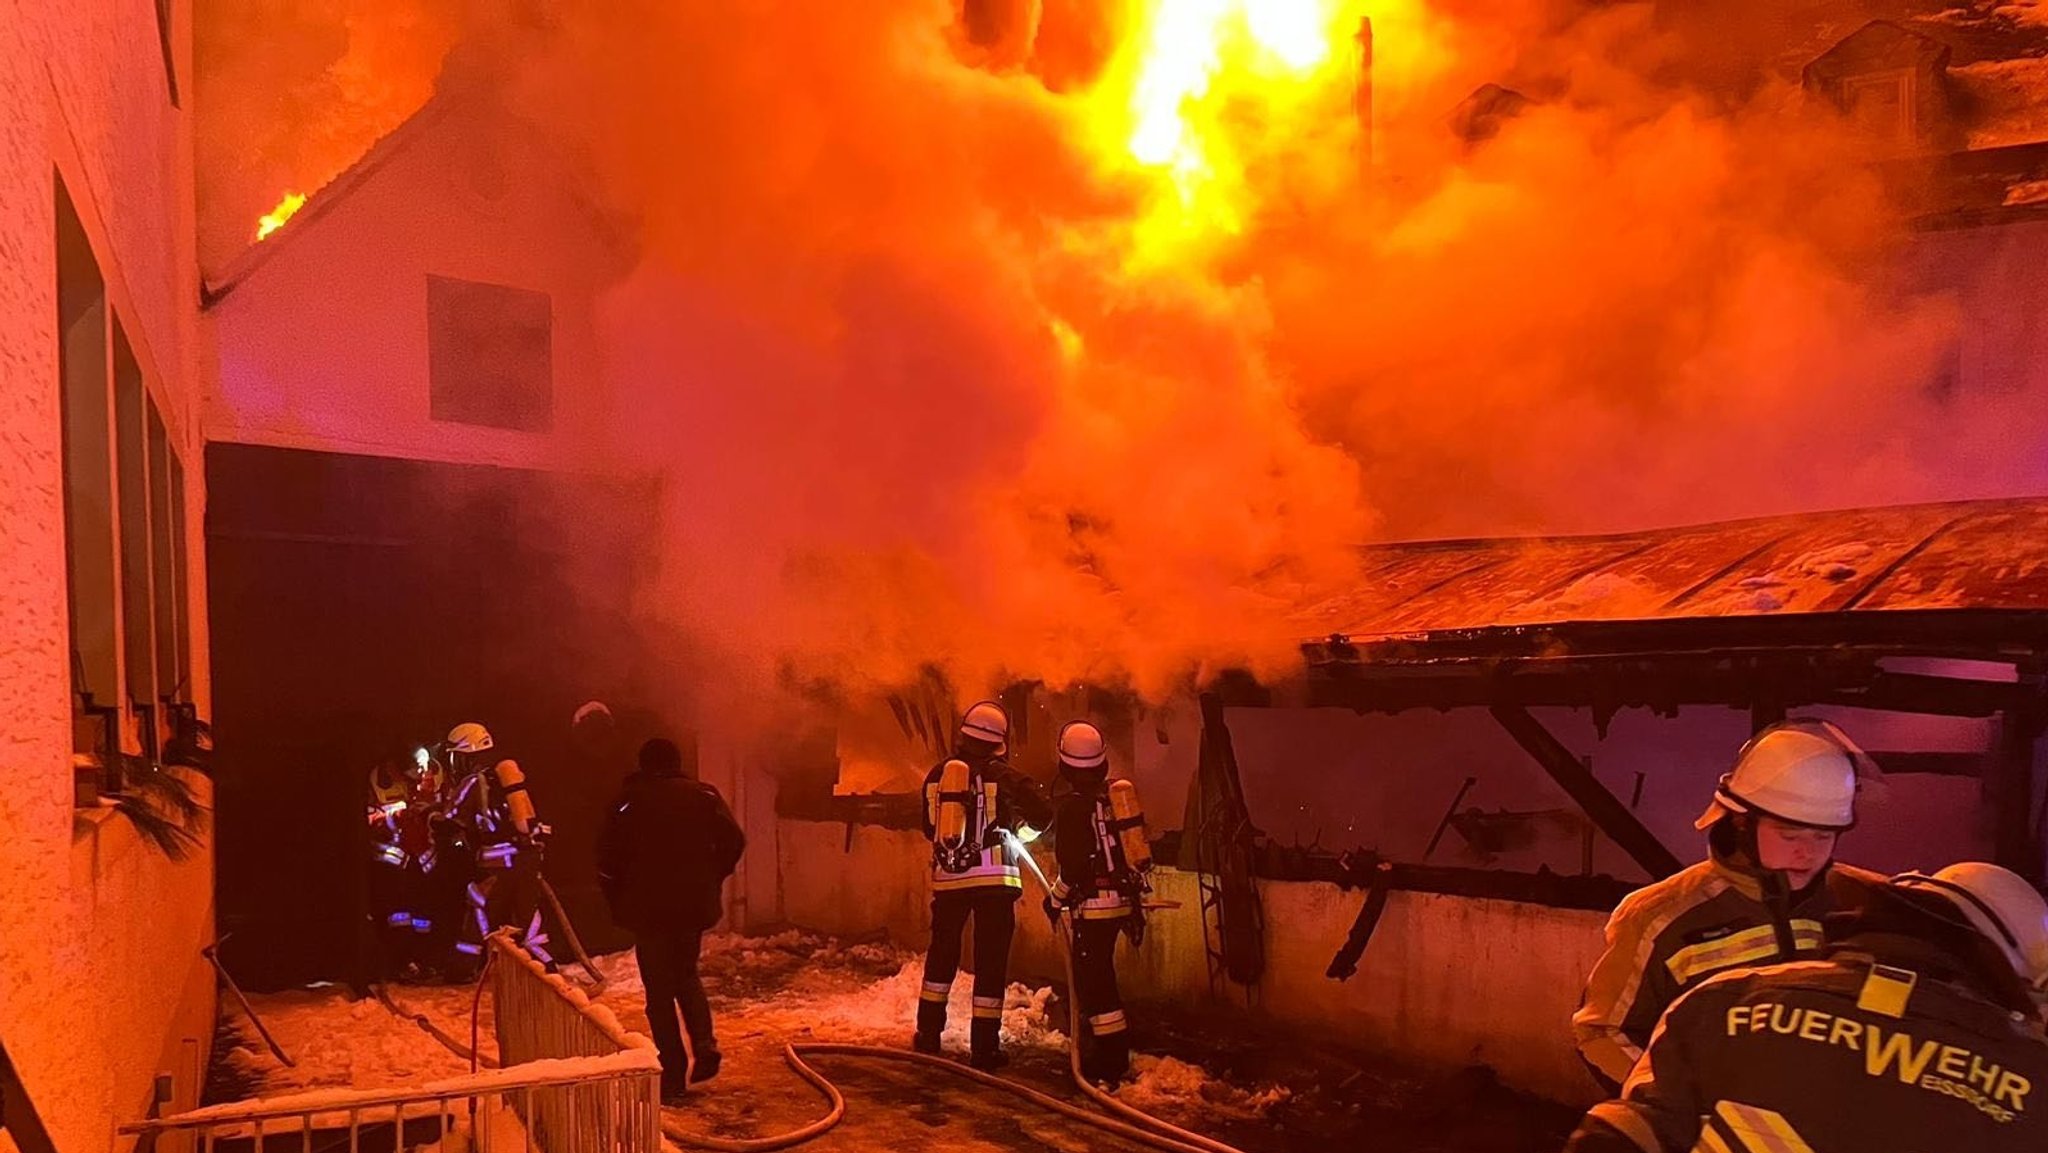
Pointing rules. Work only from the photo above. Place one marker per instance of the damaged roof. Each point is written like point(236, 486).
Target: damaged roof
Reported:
point(1978, 555)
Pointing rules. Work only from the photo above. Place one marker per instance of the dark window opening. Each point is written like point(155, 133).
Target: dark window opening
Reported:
point(91, 561)
point(490, 355)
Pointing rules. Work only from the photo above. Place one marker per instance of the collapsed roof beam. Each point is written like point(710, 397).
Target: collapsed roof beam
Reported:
point(1614, 818)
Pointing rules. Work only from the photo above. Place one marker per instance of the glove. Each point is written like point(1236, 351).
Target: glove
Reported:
point(1052, 912)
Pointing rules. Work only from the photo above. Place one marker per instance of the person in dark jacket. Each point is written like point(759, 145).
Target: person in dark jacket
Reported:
point(1919, 1031)
point(667, 847)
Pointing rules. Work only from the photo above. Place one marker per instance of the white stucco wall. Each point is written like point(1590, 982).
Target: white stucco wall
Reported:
point(322, 343)
point(101, 980)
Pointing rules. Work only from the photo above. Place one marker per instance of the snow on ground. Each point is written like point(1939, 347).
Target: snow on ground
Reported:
point(1169, 1084)
point(343, 1044)
point(765, 991)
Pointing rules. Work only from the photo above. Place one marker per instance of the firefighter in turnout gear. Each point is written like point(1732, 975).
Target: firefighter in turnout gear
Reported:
point(405, 801)
point(1919, 1032)
point(500, 828)
point(969, 801)
point(1758, 898)
point(1096, 826)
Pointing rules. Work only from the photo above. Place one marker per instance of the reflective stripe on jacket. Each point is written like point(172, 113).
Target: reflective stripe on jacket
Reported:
point(1668, 937)
point(1846, 1055)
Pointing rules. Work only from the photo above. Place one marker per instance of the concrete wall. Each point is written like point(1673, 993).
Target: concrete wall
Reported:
point(1446, 981)
point(101, 982)
point(324, 343)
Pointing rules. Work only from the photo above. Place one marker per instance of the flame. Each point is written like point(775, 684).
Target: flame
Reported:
point(286, 208)
point(1225, 103)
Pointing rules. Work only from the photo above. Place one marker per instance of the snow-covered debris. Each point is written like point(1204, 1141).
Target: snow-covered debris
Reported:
point(1171, 1083)
point(2027, 192)
point(2013, 97)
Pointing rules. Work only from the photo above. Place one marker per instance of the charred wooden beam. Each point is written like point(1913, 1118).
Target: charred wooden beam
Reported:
point(1764, 684)
point(1361, 870)
point(1606, 809)
point(1982, 634)
point(1344, 965)
point(1936, 696)
point(1933, 764)
point(2010, 790)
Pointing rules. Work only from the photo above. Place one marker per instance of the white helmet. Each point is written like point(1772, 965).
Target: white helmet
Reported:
point(1082, 746)
point(590, 710)
point(986, 721)
point(468, 737)
point(1803, 772)
point(2001, 905)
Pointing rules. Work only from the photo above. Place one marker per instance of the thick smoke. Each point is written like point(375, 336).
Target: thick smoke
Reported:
point(289, 94)
point(938, 375)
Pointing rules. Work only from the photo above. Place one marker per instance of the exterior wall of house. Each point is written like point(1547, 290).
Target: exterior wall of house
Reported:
point(323, 342)
point(102, 985)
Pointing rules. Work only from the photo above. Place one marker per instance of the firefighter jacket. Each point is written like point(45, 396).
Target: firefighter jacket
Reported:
point(998, 797)
point(496, 814)
point(1912, 1036)
point(401, 810)
point(1094, 880)
point(1668, 937)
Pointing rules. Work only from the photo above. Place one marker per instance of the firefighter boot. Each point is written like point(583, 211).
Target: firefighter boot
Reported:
point(986, 1045)
point(1108, 1061)
point(931, 1022)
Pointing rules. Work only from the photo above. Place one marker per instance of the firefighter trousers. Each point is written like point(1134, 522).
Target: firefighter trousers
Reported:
point(1106, 1041)
point(994, 911)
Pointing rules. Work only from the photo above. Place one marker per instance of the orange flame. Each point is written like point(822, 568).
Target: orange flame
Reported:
point(285, 210)
point(1213, 98)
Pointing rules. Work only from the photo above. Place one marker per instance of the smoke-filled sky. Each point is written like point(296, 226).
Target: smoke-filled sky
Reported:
point(1092, 351)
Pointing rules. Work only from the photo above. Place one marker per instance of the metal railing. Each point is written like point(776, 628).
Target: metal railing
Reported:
point(572, 1081)
point(541, 1019)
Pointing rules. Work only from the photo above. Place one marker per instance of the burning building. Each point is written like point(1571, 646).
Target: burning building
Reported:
point(412, 524)
point(1071, 352)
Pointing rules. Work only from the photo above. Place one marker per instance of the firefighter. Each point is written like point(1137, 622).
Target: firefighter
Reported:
point(1100, 888)
point(405, 795)
point(970, 801)
point(1759, 897)
point(501, 829)
point(1920, 1031)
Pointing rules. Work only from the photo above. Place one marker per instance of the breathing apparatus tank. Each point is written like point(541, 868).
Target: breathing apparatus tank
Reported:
point(512, 785)
point(1130, 825)
point(950, 821)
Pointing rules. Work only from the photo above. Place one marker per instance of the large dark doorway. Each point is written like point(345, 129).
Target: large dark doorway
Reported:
point(360, 604)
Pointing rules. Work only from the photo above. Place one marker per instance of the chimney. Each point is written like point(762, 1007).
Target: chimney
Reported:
point(1361, 96)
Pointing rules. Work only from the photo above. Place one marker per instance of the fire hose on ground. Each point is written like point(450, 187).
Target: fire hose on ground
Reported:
point(1130, 1123)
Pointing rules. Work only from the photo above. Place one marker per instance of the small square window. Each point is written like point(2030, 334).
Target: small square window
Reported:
point(1882, 104)
point(490, 355)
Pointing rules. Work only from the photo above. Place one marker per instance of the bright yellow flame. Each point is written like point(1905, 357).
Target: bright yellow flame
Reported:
point(292, 202)
point(1211, 95)
point(1293, 30)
